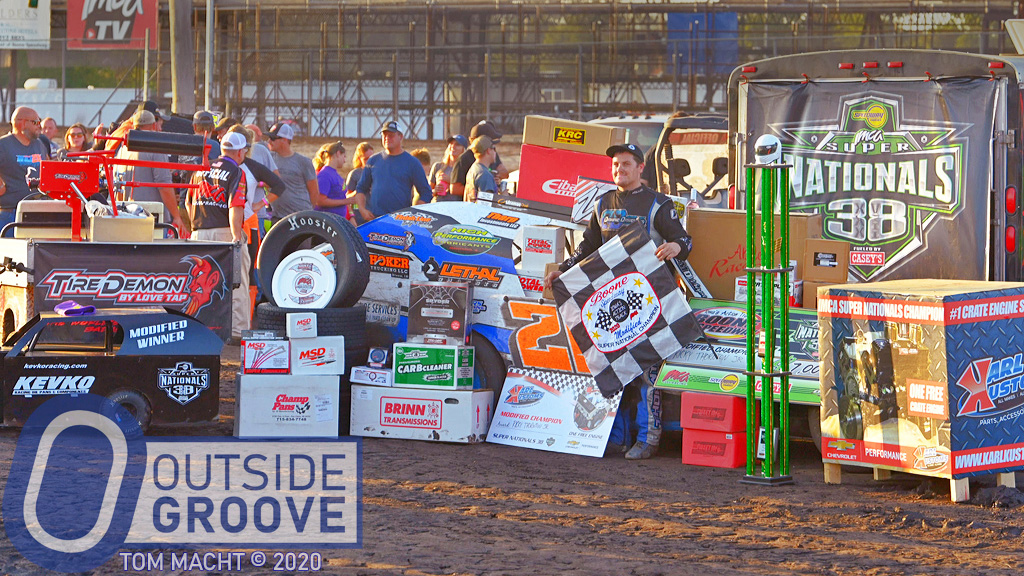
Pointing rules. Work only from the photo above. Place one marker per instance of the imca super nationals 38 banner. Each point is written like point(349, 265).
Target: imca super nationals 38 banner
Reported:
point(900, 170)
point(110, 25)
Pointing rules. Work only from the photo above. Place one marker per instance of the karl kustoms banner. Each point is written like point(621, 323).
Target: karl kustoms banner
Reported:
point(901, 171)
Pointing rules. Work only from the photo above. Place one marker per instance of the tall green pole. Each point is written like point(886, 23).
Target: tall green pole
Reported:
point(774, 179)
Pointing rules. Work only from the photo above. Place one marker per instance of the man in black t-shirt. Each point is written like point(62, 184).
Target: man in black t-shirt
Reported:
point(463, 164)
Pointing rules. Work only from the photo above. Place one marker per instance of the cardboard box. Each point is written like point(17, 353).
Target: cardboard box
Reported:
point(301, 324)
point(434, 415)
point(265, 356)
point(550, 176)
point(433, 367)
point(542, 245)
point(720, 245)
point(320, 355)
point(810, 300)
point(569, 135)
point(796, 288)
point(287, 406)
point(715, 449)
point(826, 261)
point(372, 376)
point(123, 229)
point(548, 269)
point(440, 313)
point(923, 376)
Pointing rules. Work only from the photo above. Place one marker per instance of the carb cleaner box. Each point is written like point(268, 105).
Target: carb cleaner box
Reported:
point(433, 366)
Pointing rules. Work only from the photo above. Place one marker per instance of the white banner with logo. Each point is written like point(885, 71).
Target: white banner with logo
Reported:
point(553, 411)
point(25, 24)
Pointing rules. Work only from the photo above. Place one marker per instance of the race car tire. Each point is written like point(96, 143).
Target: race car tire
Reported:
point(136, 405)
point(814, 425)
point(488, 368)
point(348, 322)
point(351, 259)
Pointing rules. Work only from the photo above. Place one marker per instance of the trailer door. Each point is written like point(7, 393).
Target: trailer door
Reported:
point(902, 169)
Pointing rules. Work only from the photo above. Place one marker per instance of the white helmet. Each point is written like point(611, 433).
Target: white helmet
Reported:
point(767, 149)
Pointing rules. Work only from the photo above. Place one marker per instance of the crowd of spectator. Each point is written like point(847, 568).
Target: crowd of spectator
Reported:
point(259, 177)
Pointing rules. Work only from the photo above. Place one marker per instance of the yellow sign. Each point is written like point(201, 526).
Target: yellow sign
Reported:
point(570, 136)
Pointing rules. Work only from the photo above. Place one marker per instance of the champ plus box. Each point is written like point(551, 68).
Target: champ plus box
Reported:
point(439, 313)
point(285, 406)
point(433, 366)
point(923, 376)
point(437, 415)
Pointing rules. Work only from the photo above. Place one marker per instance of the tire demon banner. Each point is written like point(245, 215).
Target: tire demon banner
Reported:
point(195, 278)
point(112, 24)
point(897, 171)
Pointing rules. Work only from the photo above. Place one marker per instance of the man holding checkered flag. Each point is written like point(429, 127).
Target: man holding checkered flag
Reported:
point(624, 306)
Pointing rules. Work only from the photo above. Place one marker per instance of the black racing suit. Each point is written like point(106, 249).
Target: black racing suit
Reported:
point(616, 210)
point(612, 212)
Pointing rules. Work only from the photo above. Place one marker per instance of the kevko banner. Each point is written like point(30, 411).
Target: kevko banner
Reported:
point(194, 277)
point(893, 169)
point(100, 25)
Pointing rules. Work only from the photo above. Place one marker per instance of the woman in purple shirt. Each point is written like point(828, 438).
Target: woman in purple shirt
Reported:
point(332, 196)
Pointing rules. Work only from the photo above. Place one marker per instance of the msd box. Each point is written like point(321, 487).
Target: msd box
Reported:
point(439, 313)
point(433, 367)
point(301, 324)
point(435, 415)
point(265, 352)
point(542, 245)
point(320, 355)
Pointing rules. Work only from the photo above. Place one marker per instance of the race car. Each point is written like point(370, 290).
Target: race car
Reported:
point(162, 365)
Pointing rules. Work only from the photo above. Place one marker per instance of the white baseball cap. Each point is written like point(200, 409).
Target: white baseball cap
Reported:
point(233, 141)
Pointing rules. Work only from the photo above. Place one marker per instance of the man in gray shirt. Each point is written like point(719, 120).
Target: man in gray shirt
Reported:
point(18, 150)
point(479, 178)
point(297, 172)
point(146, 120)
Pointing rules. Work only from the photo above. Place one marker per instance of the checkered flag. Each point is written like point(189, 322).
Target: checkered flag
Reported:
point(624, 309)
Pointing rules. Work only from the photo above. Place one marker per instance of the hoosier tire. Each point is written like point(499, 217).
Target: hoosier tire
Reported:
point(347, 322)
point(351, 259)
point(136, 405)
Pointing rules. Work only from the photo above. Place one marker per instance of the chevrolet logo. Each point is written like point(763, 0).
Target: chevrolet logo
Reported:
point(842, 445)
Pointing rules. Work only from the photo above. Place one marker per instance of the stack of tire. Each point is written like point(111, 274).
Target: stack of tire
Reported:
point(341, 316)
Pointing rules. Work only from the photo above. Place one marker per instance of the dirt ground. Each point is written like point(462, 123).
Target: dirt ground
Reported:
point(485, 509)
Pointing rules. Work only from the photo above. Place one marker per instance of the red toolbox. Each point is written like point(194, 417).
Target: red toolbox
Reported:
point(713, 412)
point(716, 449)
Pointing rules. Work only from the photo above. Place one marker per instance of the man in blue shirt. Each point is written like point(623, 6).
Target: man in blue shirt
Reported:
point(390, 176)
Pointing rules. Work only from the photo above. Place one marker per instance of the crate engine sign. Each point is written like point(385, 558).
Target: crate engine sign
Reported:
point(195, 281)
point(889, 171)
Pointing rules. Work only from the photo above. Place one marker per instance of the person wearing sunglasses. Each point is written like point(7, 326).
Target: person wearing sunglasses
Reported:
point(18, 151)
point(76, 139)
